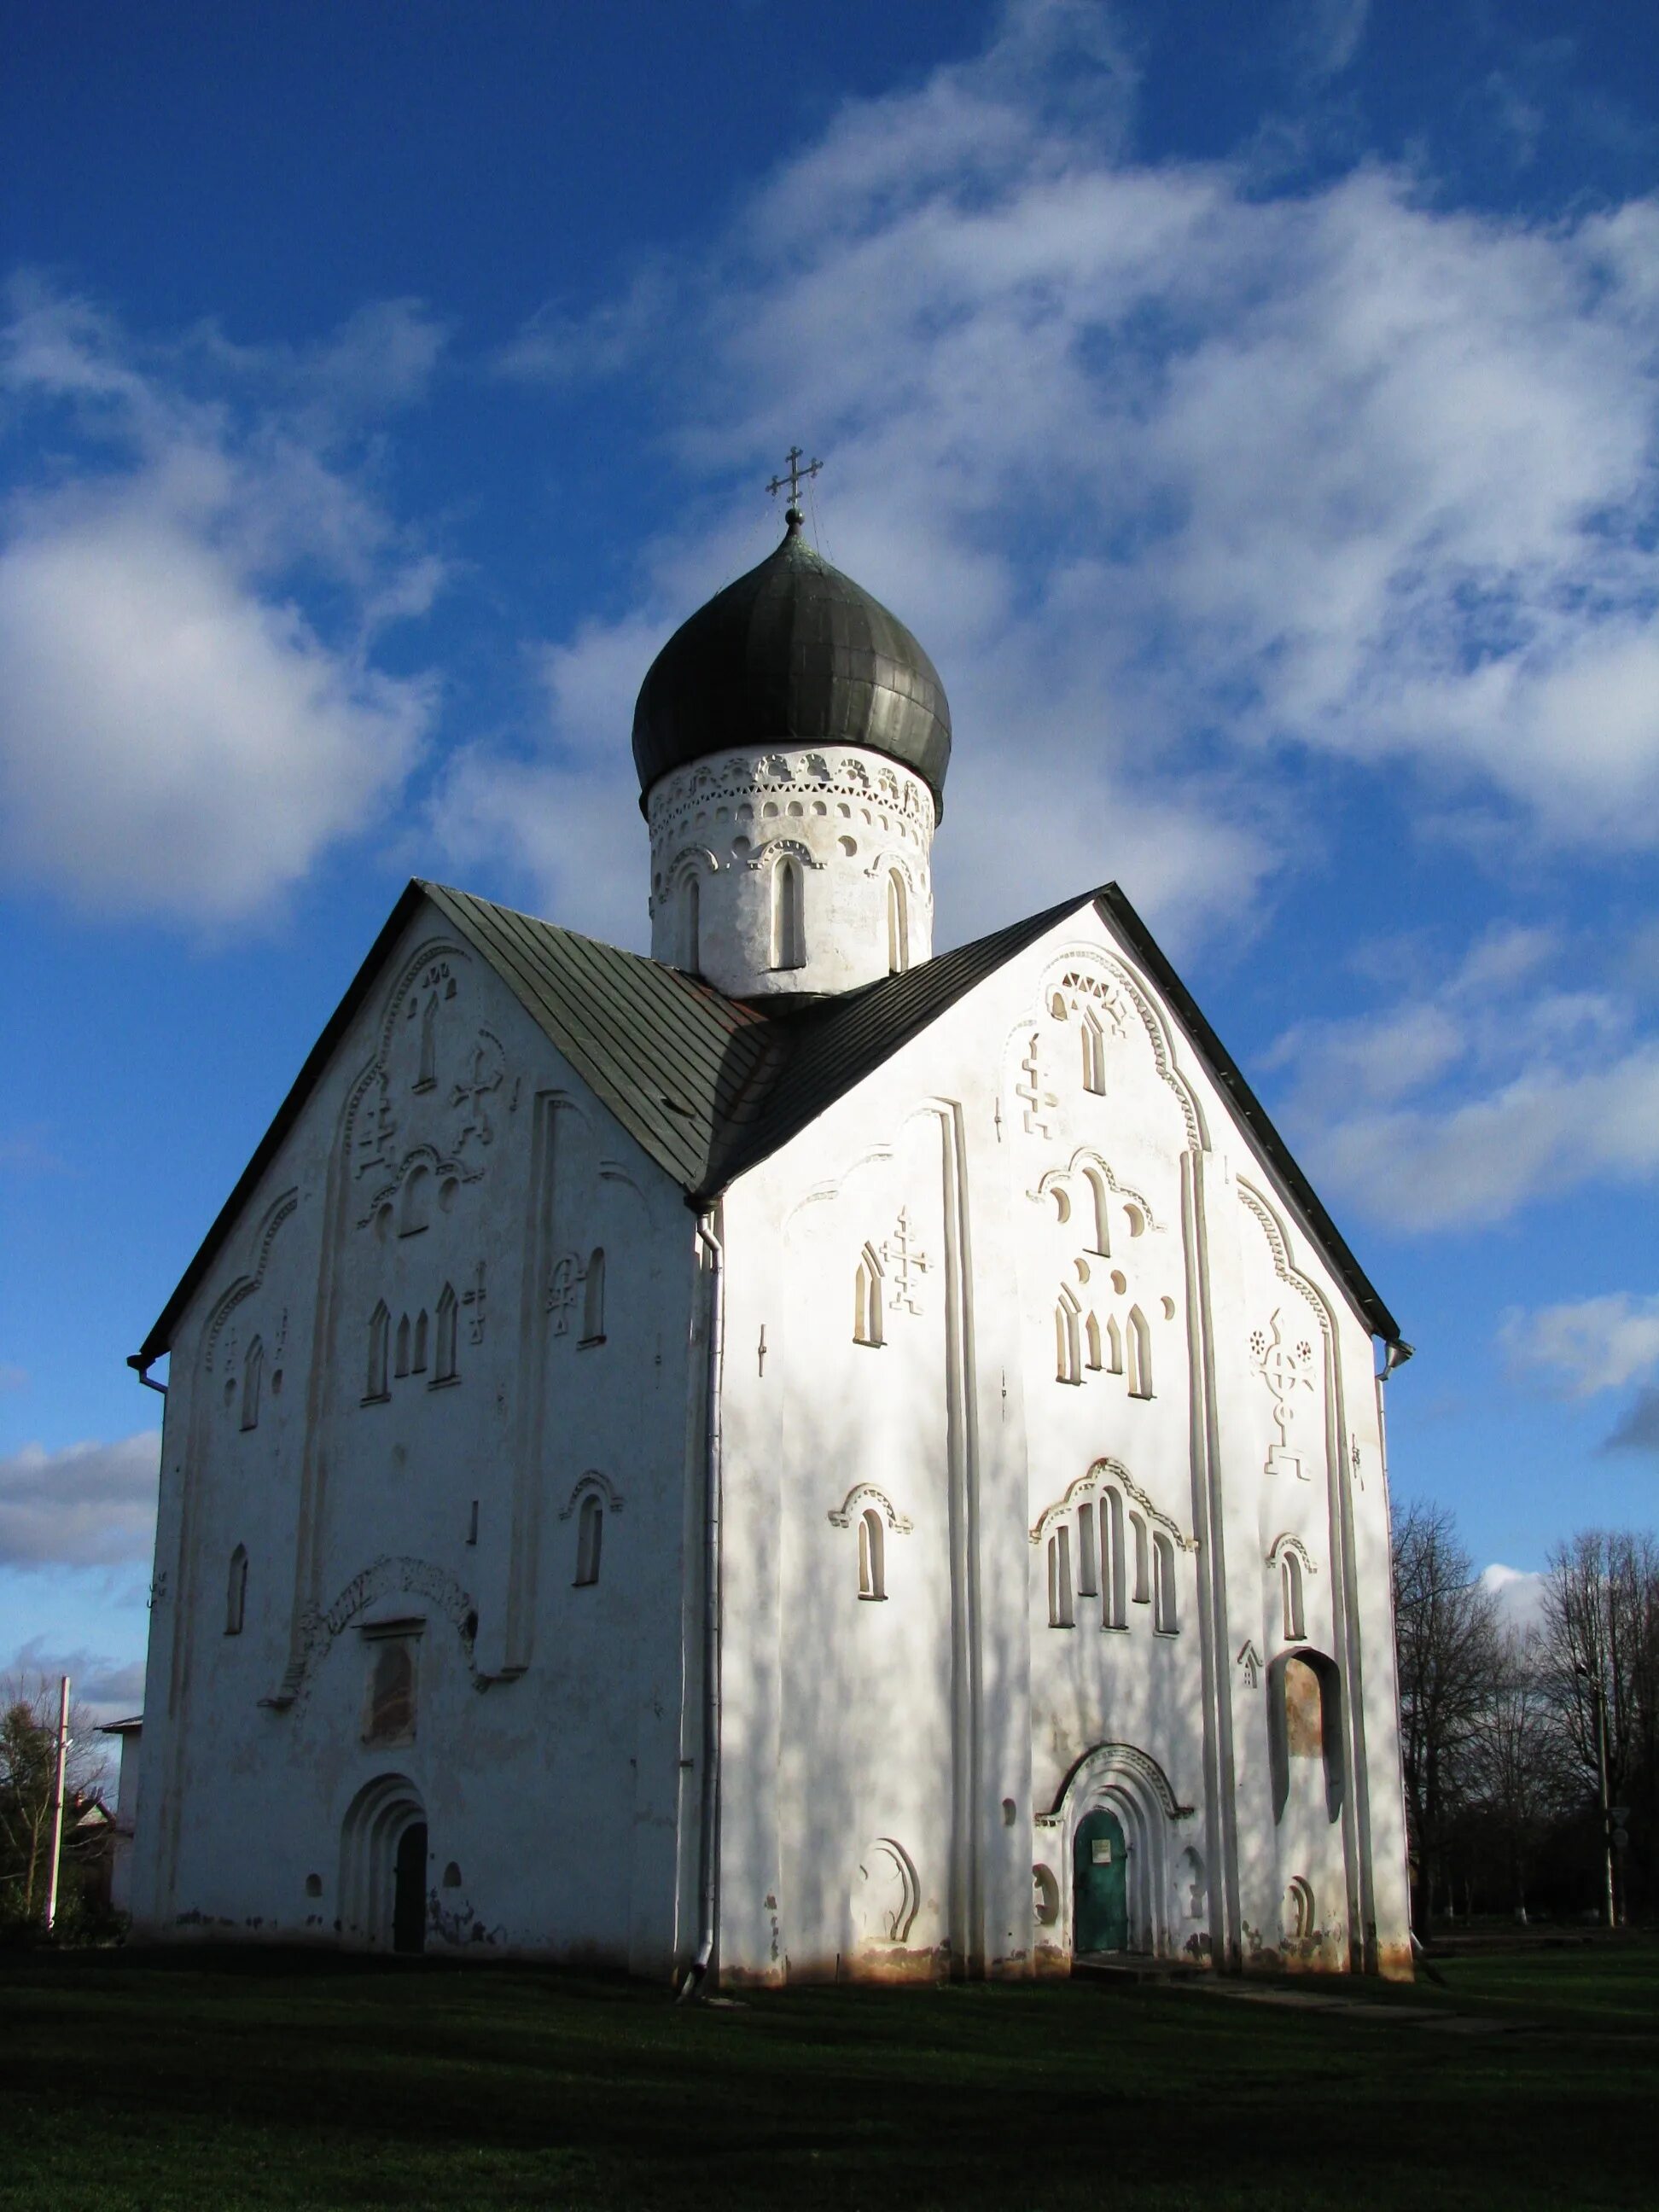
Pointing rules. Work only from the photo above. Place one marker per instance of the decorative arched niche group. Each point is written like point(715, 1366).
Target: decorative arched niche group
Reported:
point(1165, 1891)
point(1092, 1336)
point(786, 907)
point(420, 1345)
point(1105, 1541)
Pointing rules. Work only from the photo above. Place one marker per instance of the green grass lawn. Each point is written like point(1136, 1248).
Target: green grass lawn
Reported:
point(132, 2080)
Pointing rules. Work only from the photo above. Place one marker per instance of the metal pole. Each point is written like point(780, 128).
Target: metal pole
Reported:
point(1607, 1801)
point(57, 1800)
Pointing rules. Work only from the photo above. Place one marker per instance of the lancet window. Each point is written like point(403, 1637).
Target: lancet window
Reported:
point(252, 1375)
point(898, 924)
point(1068, 1352)
point(788, 926)
point(1143, 1574)
point(873, 1554)
point(866, 1298)
point(443, 1337)
point(236, 1591)
point(1061, 1611)
point(1165, 1617)
point(590, 1536)
point(1139, 1349)
point(379, 1328)
point(593, 1298)
point(1113, 1613)
point(1290, 1583)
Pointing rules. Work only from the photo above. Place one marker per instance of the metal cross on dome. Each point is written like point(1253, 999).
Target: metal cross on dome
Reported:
point(795, 478)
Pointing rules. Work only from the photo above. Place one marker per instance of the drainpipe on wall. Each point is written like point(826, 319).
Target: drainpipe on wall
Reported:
point(710, 1838)
point(141, 1368)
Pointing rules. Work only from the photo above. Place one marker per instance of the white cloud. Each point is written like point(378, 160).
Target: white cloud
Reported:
point(1181, 479)
point(87, 1505)
point(1520, 1594)
point(180, 735)
point(1462, 1100)
point(1591, 1344)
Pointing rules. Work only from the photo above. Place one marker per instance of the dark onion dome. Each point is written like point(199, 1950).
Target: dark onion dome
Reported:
point(794, 653)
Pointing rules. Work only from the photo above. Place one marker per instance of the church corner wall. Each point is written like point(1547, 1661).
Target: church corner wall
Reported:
point(1023, 1311)
point(445, 1345)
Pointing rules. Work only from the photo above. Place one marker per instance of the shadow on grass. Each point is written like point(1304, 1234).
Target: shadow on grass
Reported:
point(260, 2078)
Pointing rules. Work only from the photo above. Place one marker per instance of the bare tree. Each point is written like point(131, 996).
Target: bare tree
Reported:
point(29, 1753)
point(1515, 1765)
point(1601, 1660)
point(1446, 1630)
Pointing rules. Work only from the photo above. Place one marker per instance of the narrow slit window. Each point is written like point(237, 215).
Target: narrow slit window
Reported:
point(873, 1549)
point(1114, 1346)
point(1112, 1577)
point(593, 1298)
point(379, 1326)
point(1143, 1591)
point(1061, 1610)
point(401, 1365)
point(417, 1357)
point(691, 926)
point(252, 1375)
point(1094, 1054)
point(788, 933)
point(1140, 1351)
point(1098, 1191)
point(898, 924)
point(1088, 1553)
point(1068, 1355)
point(866, 1299)
point(1290, 1576)
point(443, 1337)
point(1164, 1585)
point(236, 1592)
point(590, 1536)
point(1091, 1341)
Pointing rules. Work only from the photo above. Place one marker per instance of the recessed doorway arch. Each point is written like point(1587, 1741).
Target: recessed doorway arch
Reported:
point(384, 1848)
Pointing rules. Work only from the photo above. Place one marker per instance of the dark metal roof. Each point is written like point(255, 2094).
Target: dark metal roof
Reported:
point(794, 653)
point(709, 1086)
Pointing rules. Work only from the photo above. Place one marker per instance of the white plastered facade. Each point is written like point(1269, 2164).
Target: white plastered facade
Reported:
point(1031, 1265)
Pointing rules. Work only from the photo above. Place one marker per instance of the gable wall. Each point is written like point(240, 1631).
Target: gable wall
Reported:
point(903, 1765)
point(448, 1146)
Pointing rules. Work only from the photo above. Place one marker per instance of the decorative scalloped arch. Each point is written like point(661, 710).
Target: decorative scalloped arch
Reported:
point(244, 1285)
point(1109, 1762)
point(1086, 1156)
point(1110, 1470)
point(319, 1625)
point(1278, 1244)
point(596, 1484)
point(777, 848)
point(427, 1156)
point(1287, 1542)
point(687, 858)
point(1065, 961)
point(865, 1494)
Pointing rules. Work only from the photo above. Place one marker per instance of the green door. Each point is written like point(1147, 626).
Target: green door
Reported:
point(1100, 1866)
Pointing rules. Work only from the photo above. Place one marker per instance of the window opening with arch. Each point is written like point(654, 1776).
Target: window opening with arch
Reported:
point(593, 1299)
point(417, 1357)
point(1091, 1341)
point(1102, 1211)
point(400, 1365)
point(252, 1375)
point(1088, 1553)
point(415, 1210)
point(236, 1592)
point(380, 1328)
point(1094, 1052)
point(1113, 1610)
point(443, 1337)
point(1138, 1349)
point(866, 1298)
point(1143, 1583)
point(1069, 1353)
point(1061, 1611)
point(1165, 1617)
point(691, 925)
point(873, 1554)
point(590, 1537)
point(789, 924)
point(390, 1715)
point(898, 924)
point(1290, 1583)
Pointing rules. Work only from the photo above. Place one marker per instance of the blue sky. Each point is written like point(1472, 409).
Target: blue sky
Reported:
point(1259, 431)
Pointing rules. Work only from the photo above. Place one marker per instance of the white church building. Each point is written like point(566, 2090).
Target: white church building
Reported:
point(794, 1458)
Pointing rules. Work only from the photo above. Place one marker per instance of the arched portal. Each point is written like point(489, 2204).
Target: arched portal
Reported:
point(383, 1867)
point(1100, 1883)
point(1120, 1821)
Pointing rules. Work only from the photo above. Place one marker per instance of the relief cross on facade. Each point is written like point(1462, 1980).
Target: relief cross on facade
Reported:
point(904, 1262)
point(1037, 1100)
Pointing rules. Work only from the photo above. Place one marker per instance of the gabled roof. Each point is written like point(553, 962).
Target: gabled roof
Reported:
point(709, 1086)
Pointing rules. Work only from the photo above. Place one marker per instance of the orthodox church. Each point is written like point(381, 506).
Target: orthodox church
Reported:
point(794, 1458)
